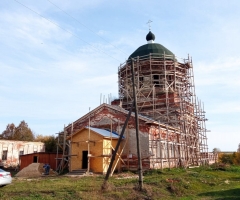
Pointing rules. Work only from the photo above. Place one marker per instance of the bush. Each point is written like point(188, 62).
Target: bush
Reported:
point(236, 158)
point(232, 158)
point(226, 158)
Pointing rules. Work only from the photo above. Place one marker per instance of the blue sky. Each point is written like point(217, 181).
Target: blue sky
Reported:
point(55, 62)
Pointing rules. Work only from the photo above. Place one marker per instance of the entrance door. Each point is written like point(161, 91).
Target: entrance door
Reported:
point(35, 159)
point(84, 159)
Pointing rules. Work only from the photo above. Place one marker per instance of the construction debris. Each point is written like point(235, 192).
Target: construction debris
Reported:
point(34, 170)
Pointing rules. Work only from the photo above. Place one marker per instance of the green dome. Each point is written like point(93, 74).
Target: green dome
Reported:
point(153, 48)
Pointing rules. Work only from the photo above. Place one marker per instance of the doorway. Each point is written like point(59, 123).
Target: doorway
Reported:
point(35, 159)
point(84, 159)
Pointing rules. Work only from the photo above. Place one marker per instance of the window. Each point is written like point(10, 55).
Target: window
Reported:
point(140, 81)
point(155, 77)
point(21, 153)
point(156, 80)
point(4, 155)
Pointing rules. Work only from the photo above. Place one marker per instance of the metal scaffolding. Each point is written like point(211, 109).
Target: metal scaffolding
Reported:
point(166, 93)
point(63, 157)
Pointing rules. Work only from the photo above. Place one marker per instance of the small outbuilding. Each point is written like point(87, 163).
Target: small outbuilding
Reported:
point(40, 157)
point(92, 148)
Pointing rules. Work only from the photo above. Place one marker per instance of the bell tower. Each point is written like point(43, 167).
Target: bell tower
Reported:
point(166, 93)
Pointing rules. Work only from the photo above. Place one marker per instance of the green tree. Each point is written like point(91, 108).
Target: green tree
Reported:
point(49, 141)
point(22, 132)
point(51, 144)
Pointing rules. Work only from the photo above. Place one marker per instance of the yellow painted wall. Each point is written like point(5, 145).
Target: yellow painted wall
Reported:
point(107, 150)
point(98, 148)
point(79, 144)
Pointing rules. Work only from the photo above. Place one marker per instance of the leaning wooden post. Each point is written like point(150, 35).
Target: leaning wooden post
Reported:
point(104, 185)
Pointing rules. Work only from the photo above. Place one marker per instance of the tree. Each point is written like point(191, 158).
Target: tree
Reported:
point(216, 150)
point(236, 158)
point(238, 150)
point(226, 158)
point(40, 138)
point(49, 141)
point(9, 132)
point(22, 132)
point(51, 144)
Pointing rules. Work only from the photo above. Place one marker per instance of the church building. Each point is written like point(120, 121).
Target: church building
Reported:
point(172, 127)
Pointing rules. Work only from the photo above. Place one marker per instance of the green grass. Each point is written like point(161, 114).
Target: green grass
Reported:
point(197, 183)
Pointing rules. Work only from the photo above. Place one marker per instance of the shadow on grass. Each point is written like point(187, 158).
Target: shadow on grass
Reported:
point(233, 194)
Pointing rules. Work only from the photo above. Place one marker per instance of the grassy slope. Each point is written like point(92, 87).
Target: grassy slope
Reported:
point(198, 183)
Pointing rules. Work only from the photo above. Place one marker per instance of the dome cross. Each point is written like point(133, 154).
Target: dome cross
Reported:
point(149, 24)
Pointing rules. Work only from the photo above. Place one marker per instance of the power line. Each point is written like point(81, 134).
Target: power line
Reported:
point(65, 30)
point(86, 27)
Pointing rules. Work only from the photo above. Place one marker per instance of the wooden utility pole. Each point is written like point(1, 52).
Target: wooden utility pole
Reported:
point(137, 129)
point(89, 123)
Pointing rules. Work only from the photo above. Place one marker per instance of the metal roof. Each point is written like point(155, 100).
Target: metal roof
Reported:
point(151, 48)
point(104, 133)
point(154, 49)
